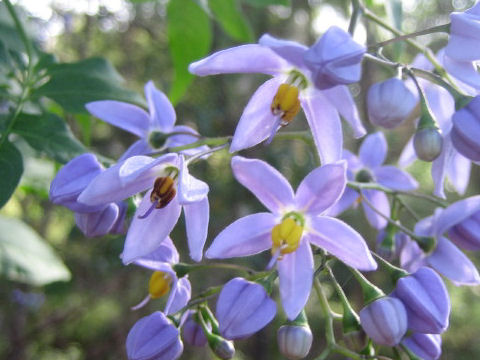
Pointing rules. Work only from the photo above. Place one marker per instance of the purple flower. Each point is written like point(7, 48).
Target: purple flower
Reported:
point(389, 103)
point(243, 308)
point(466, 233)
point(367, 167)
point(294, 221)
point(466, 130)
point(294, 68)
point(462, 51)
point(154, 337)
point(450, 164)
point(172, 188)
point(446, 258)
point(153, 128)
point(108, 220)
point(164, 279)
point(192, 332)
point(425, 346)
point(384, 320)
point(426, 300)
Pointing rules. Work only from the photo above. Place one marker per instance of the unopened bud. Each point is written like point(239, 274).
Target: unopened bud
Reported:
point(428, 143)
point(356, 340)
point(223, 348)
point(294, 341)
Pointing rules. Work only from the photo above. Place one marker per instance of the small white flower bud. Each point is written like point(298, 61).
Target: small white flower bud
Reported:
point(428, 143)
point(294, 342)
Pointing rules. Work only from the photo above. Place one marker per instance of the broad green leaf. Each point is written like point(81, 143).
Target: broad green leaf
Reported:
point(49, 134)
point(189, 37)
point(231, 18)
point(26, 257)
point(73, 85)
point(11, 169)
point(260, 3)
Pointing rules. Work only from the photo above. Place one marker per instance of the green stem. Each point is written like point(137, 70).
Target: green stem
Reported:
point(329, 334)
point(357, 11)
point(235, 267)
point(214, 141)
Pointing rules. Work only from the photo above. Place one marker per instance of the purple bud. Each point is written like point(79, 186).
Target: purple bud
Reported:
point(466, 234)
point(428, 143)
point(97, 223)
point(72, 179)
point(389, 103)
point(243, 308)
point(465, 132)
point(119, 226)
point(426, 300)
point(384, 320)
point(294, 342)
point(224, 349)
point(193, 333)
point(154, 337)
point(425, 346)
point(335, 59)
point(464, 36)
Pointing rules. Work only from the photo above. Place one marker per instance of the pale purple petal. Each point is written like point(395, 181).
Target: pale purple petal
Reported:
point(139, 147)
point(426, 346)
point(249, 235)
point(456, 213)
point(412, 257)
point(341, 241)
point(162, 113)
point(321, 188)
point(146, 235)
point(250, 58)
point(197, 215)
point(353, 163)
point(179, 296)
point(380, 202)
point(295, 272)
point(373, 150)
point(348, 199)
point(395, 179)
point(458, 172)
point(257, 120)
point(452, 263)
point(408, 154)
point(264, 181)
point(342, 99)
point(291, 51)
point(97, 223)
point(123, 115)
point(190, 189)
point(463, 70)
point(439, 167)
point(325, 125)
point(165, 253)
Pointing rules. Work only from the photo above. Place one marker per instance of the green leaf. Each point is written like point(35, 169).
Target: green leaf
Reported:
point(11, 169)
point(26, 257)
point(73, 85)
point(261, 3)
point(49, 134)
point(231, 18)
point(189, 37)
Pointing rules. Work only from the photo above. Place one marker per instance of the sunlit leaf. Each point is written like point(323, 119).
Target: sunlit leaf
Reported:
point(26, 257)
point(267, 2)
point(11, 169)
point(231, 18)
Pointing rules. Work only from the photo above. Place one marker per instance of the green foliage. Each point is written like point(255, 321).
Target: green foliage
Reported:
point(11, 165)
point(260, 3)
point(25, 257)
point(49, 134)
point(73, 85)
point(231, 18)
point(190, 36)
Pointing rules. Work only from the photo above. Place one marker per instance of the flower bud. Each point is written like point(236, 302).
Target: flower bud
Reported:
point(154, 337)
point(465, 132)
point(193, 333)
point(425, 346)
point(428, 143)
point(389, 103)
point(466, 234)
point(294, 342)
point(384, 320)
point(426, 301)
point(356, 340)
point(243, 308)
point(97, 223)
point(224, 349)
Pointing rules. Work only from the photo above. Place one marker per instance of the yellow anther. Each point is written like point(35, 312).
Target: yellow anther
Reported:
point(163, 191)
point(286, 103)
point(286, 236)
point(159, 284)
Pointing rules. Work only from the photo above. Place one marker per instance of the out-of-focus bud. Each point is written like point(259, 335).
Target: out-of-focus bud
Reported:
point(384, 320)
point(428, 143)
point(223, 348)
point(389, 103)
point(335, 59)
point(425, 346)
point(154, 337)
point(97, 223)
point(389, 246)
point(295, 338)
point(193, 333)
point(466, 130)
point(243, 308)
point(466, 234)
point(426, 300)
point(356, 340)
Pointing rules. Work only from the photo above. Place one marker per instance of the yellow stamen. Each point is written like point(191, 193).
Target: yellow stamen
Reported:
point(159, 284)
point(163, 191)
point(286, 103)
point(286, 236)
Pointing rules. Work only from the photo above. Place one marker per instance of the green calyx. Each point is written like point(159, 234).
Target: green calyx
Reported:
point(370, 291)
point(299, 219)
point(427, 243)
point(364, 176)
point(462, 101)
point(157, 139)
point(300, 320)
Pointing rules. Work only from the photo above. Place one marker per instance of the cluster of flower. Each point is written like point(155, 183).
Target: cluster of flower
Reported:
point(316, 80)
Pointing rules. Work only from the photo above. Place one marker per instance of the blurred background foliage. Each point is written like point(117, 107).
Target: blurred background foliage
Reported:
point(86, 315)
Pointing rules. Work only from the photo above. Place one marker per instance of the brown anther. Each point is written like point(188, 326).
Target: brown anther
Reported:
point(286, 103)
point(163, 191)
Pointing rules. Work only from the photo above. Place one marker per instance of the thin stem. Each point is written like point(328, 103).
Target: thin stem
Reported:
point(432, 199)
point(329, 334)
point(195, 157)
point(223, 266)
point(214, 141)
point(407, 207)
point(357, 11)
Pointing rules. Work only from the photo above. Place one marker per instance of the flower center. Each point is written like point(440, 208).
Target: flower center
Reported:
point(286, 103)
point(157, 139)
point(163, 191)
point(286, 236)
point(159, 284)
point(364, 176)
